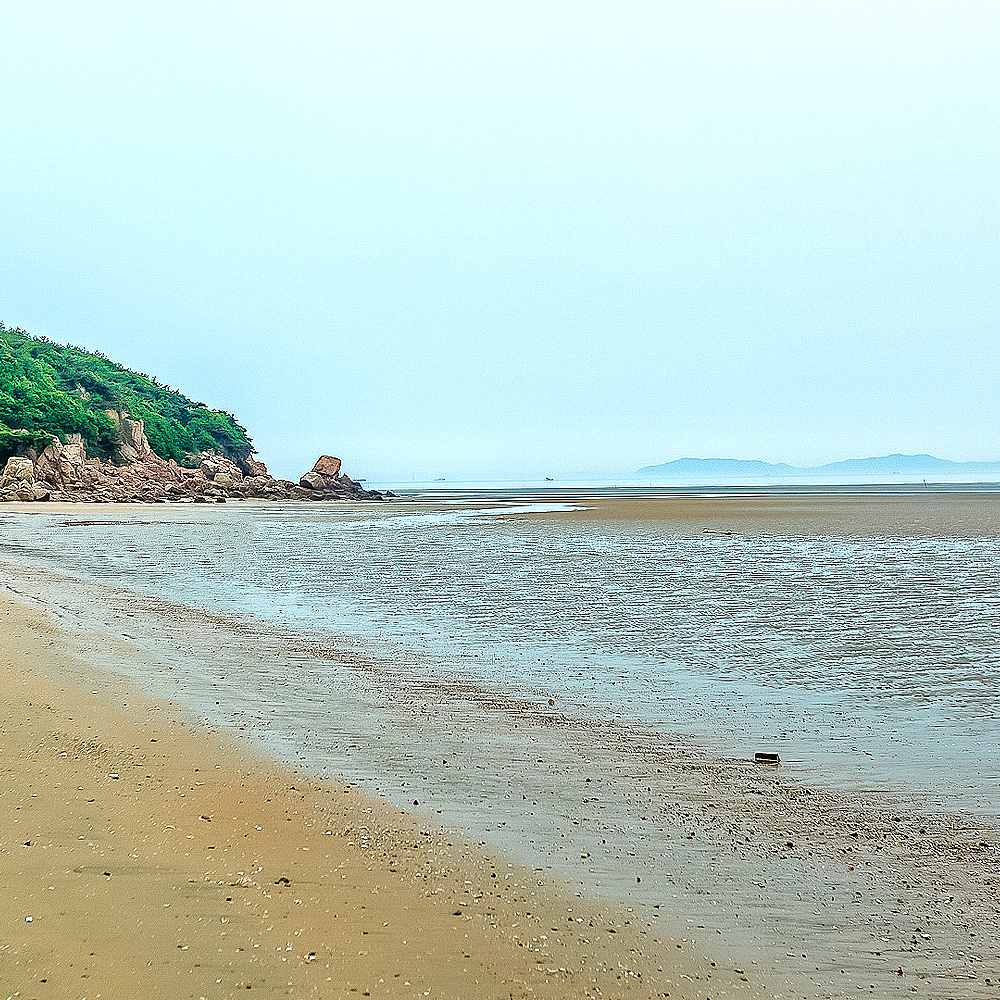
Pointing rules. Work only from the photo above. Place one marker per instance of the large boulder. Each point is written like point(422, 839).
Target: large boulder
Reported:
point(256, 486)
point(312, 481)
point(17, 470)
point(214, 466)
point(62, 464)
point(327, 466)
point(255, 469)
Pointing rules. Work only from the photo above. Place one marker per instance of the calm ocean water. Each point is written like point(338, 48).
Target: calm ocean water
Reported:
point(860, 658)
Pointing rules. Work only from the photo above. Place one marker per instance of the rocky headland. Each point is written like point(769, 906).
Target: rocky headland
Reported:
point(77, 426)
point(62, 471)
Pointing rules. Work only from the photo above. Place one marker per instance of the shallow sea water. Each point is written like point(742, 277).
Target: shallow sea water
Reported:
point(864, 660)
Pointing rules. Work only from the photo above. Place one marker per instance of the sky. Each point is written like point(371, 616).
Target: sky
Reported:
point(507, 240)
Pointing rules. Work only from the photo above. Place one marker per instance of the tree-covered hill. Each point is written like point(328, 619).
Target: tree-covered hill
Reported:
point(53, 389)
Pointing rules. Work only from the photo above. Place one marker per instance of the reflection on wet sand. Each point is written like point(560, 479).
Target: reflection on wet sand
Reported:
point(625, 667)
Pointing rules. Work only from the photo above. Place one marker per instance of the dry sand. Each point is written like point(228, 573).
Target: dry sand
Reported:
point(144, 855)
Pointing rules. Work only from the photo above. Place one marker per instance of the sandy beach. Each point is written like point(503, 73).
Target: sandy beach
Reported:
point(158, 856)
point(145, 855)
point(919, 513)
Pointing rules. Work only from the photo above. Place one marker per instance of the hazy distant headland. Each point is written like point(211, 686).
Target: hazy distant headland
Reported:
point(891, 466)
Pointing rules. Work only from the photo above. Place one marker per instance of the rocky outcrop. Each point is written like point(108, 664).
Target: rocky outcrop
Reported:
point(62, 464)
point(326, 482)
point(17, 470)
point(132, 443)
point(327, 466)
point(64, 472)
point(18, 481)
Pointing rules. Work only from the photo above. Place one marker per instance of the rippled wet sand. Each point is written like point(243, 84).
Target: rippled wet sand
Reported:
point(856, 636)
point(426, 677)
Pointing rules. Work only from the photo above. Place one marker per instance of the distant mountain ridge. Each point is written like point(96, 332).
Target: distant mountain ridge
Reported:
point(885, 465)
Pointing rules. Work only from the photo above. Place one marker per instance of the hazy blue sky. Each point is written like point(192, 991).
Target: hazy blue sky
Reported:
point(516, 239)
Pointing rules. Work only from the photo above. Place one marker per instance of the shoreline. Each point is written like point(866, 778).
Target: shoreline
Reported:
point(743, 862)
point(156, 856)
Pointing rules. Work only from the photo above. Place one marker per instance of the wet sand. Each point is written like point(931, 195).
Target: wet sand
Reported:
point(814, 891)
point(145, 855)
point(915, 515)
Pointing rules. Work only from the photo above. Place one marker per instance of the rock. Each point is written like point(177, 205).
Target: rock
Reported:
point(257, 485)
point(253, 468)
point(327, 479)
point(17, 470)
point(64, 472)
point(312, 481)
point(213, 466)
point(327, 466)
point(62, 464)
point(133, 445)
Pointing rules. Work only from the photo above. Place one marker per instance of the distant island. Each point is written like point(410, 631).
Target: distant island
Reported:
point(75, 425)
point(920, 466)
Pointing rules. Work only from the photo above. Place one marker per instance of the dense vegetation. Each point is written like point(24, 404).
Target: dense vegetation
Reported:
point(53, 389)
